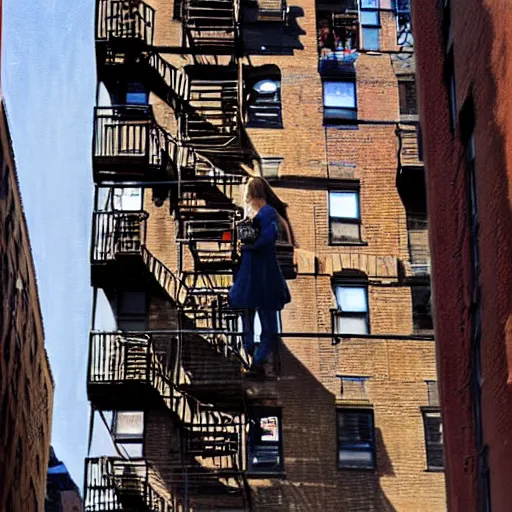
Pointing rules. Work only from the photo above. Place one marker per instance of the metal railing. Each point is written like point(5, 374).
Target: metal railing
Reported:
point(110, 481)
point(216, 436)
point(124, 19)
point(175, 288)
point(211, 23)
point(117, 233)
point(272, 10)
point(117, 357)
point(129, 135)
point(175, 78)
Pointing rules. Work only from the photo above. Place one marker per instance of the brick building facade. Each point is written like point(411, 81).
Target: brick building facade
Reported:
point(463, 77)
point(26, 385)
point(319, 98)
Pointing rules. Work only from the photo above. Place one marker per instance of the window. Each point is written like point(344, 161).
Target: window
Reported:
point(353, 388)
point(351, 316)
point(344, 217)
point(270, 167)
point(128, 426)
point(136, 94)
point(264, 104)
point(131, 311)
point(337, 29)
point(356, 439)
point(265, 441)
point(404, 23)
point(128, 431)
point(433, 439)
point(340, 101)
point(370, 23)
point(433, 393)
point(126, 199)
point(407, 96)
point(422, 309)
point(419, 252)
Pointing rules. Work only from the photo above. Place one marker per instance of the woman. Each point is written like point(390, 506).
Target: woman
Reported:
point(258, 284)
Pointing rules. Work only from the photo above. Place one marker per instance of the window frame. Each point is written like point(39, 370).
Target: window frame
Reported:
point(255, 106)
point(346, 115)
point(405, 81)
point(368, 26)
point(259, 413)
point(372, 450)
point(127, 438)
point(271, 160)
point(432, 412)
point(337, 312)
point(419, 316)
point(402, 14)
point(352, 188)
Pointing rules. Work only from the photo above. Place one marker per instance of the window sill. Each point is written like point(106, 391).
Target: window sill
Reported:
point(434, 470)
point(340, 244)
point(346, 125)
point(266, 474)
point(266, 126)
point(365, 470)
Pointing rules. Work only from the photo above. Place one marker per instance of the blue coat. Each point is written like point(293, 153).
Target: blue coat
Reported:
point(259, 283)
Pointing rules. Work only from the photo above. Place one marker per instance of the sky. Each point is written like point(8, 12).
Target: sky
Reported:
point(48, 82)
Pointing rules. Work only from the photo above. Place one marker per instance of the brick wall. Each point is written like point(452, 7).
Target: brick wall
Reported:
point(309, 388)
point(481, 39)
point(26, 385)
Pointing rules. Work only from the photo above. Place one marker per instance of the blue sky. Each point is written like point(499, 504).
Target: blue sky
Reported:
point(48, 81)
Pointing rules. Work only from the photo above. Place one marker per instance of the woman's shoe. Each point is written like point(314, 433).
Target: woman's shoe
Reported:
point(255, 370)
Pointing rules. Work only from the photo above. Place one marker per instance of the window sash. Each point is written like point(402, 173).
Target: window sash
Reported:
point(344, 231)
point(264, 108)
point(344, 200)
point(339, 94)
point(265, 455)
point(351, 299)
point(345, 326)
point(369, 43)
point(433, 440)
point(356, 435)
point(370, 18)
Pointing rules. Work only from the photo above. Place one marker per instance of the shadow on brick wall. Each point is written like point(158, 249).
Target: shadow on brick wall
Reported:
point(313, 482)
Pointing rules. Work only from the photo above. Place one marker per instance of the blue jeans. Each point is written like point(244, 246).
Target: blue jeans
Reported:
point(269, 336)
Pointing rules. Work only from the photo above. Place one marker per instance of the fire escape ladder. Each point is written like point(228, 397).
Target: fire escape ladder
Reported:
point(211, 121)
point(202, 308)
point(211, 25)
point(209, 233)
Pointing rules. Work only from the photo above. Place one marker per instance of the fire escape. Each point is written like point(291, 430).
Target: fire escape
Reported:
point(192, 371)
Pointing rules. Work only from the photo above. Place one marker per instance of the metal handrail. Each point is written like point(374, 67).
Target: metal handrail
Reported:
point(117, 232)
point(121, 19)
point(108, 478)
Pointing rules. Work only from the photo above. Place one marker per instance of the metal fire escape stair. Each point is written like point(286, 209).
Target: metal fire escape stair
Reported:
point(210, 25)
